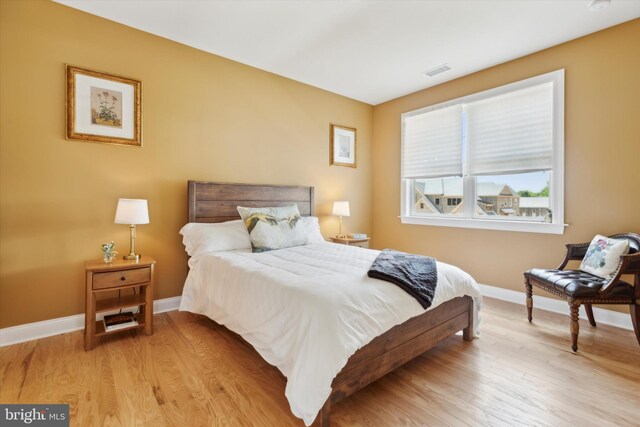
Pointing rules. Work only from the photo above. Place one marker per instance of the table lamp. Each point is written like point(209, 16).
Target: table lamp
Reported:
point(341, 208)
point(132, 212)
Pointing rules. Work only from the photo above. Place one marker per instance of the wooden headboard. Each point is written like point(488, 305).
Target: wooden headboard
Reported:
point(217, 201)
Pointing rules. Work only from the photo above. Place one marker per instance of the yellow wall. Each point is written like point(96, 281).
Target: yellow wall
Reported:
point(209, 118)
point(602, 153)
point(204, 118)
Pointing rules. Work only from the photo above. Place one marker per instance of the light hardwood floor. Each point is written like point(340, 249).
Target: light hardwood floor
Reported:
point(192, 372)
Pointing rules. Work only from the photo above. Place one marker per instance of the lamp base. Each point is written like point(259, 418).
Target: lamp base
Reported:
point(135, 257)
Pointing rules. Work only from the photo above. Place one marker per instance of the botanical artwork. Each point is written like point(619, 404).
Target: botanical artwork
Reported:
point(273, 228)
point(106, 107)
point(342, 146)
point(103, 107)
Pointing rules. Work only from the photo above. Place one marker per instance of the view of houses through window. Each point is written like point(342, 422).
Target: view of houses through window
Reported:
point(524, 195)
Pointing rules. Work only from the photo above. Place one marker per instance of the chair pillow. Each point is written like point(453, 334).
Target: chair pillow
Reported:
point(274, 228)
point(603, 256)
point(224, 236)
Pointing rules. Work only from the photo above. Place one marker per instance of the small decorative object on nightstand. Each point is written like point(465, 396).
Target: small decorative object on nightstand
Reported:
point(109, 252)
point(132, 277)
point(362, 243)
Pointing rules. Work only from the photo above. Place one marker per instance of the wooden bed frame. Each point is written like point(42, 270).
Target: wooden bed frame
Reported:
point(217, 202)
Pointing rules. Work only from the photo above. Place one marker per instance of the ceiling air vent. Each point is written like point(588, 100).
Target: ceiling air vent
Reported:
point(437, 70)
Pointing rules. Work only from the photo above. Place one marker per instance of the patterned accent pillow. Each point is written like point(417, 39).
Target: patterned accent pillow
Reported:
point(603, 256)
point(273, 228)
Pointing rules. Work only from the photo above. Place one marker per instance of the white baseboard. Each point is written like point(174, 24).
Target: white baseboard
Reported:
point(166, 304)
point(603, 316)
point(62, 325)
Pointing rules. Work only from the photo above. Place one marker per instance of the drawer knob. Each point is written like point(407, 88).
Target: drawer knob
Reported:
point(123, 278)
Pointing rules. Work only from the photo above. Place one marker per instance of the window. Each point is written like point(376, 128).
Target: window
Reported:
point(493, 159)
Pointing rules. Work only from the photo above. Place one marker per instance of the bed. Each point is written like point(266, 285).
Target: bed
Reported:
point(286, 299)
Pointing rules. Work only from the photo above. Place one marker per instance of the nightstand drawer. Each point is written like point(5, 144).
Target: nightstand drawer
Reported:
point(121, 278)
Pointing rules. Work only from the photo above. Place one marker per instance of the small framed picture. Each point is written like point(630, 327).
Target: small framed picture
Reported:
point(342, 149)
point(102, 107)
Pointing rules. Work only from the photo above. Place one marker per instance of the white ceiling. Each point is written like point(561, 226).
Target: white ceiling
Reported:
point(372, 51)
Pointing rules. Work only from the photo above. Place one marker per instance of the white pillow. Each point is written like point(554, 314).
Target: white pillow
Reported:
point(223, 236)
point(603, 256)
point(312, 231)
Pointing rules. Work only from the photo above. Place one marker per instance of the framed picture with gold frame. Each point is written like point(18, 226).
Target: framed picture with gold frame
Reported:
point(342, 146)
point(103, 107)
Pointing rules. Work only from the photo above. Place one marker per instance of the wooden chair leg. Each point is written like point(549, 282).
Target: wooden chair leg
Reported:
point(529, 299)
point(575, 327)
point(634, 309)
point(589, 310)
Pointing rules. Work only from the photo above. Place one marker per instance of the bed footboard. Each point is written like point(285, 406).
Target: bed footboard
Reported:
point(398, 346)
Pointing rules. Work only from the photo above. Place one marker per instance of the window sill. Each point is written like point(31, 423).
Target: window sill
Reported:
point(491, 224)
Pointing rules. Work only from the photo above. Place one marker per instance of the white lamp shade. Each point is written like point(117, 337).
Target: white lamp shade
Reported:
point(132, 211)
point(341, 208)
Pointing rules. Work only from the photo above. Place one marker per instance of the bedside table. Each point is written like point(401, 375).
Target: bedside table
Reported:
point(362, 243)
point(120, 275)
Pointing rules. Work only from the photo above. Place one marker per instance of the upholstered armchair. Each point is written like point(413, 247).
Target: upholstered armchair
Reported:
point(578, 287)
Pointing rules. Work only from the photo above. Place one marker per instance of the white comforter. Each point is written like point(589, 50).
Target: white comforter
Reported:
point(307, 309)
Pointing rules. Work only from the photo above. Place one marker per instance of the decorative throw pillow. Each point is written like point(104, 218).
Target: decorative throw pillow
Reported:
point(273, 228)
point(603, 255)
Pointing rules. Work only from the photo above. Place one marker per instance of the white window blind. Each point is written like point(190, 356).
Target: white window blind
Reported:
point(511, 133)
point(432, 144)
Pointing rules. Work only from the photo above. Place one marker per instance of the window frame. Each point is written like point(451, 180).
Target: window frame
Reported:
point(468, 219)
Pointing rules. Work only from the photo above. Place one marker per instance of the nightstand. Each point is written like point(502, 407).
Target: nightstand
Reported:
point(121, 275)
point(362, 243)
